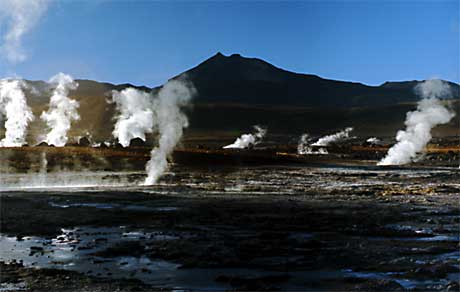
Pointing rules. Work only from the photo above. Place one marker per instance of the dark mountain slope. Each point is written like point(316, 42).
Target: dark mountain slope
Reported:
point(235, 92)
point(251, 81)
point(236, 79)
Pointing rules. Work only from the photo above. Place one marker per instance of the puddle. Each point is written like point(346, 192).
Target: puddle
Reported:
point(454, 256)
point(421, 234)
point(434, 238)
point(405, 283)
point(113, 206)
point(21, 286)
point(74, 250)
point(440, 238)
point(76, 205)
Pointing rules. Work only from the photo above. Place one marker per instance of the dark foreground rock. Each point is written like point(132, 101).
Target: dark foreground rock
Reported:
point(16, 277)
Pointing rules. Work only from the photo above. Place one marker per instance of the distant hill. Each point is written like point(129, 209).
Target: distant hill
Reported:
point(85, 88)
point(235, 93)
point(253, 81)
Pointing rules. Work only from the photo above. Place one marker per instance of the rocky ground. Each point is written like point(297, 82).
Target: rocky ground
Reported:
point(16, 277)
point(239, 228)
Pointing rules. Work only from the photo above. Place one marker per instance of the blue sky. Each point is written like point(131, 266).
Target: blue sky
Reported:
point(146, 42)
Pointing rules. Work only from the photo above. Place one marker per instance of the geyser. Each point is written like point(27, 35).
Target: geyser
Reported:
point(13, 106)
point(334, 138)
point(62, 110)
point(305, 148)
point(374, 141)
point(304, 144)
point(170, 123)
point(247, 140)
point(135, 115)
point(430, 113)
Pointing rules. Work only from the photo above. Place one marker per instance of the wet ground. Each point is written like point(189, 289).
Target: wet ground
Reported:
point(235, 228)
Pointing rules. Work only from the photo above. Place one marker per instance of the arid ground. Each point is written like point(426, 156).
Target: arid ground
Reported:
point(252, 220)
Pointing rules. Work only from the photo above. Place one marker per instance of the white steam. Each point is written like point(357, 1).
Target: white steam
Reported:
point(247, 140)
point(62, 110)
point(433, 88)
point(304, 147)
point(374, 141)
point(135, 115)
point(14, 108)
point(171, 122)
point(334, 138)
point(43, 172)
point(304, 144)
point(19, 17)
point(430, 113)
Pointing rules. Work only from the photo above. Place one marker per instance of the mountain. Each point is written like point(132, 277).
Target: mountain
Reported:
point(251, 81)
point(86, 88)
point(235, 93)
point(236, 79)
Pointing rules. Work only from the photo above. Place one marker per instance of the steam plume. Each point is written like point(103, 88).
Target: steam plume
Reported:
point(304, 146)
point(374, 141)
point(135, 115)
point(334, 138)
point(20, 17)
point(171, 122)
point(430, 113)
point(248, 139)
point(42, 175)
point(62, 110)
point(13, 106)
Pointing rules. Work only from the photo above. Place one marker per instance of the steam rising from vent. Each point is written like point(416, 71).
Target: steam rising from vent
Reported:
point(13, 106)
point(20, 17)
point(304, 147)
point(247, 140)
point(334, 138)
point(171, 122)
point(62, 110)
point(433, 88)
point(374, 141)
point(430, 113)
point(42, 175)
point(135, 115)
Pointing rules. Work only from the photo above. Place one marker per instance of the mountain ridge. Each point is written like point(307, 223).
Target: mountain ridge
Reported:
point(238, 79)
point(235, 93)
point(254, 80)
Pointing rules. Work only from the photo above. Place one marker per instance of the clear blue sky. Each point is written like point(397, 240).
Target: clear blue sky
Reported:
point(145, 42)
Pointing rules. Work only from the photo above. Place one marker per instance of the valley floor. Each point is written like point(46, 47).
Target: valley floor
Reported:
point(239, 228)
